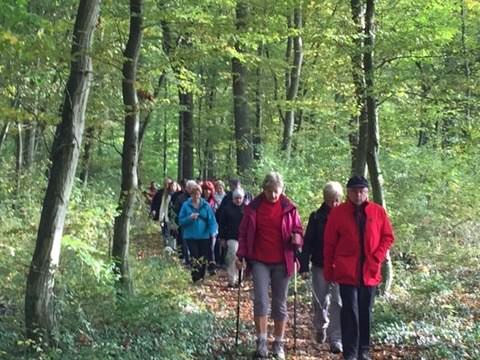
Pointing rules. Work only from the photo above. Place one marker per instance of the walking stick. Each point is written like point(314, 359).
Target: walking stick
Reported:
point(238, 305)
point(294, 306)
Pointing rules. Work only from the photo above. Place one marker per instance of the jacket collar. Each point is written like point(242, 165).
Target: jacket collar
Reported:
point(202, 202)
point(285, 202)
point(352, 206)
point(324, 210)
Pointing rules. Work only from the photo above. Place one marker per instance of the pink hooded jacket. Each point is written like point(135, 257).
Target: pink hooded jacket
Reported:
point(290, 224)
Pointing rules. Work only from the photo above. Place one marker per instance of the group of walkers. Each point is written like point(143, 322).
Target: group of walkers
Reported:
point(201, 219)
point(344, 246)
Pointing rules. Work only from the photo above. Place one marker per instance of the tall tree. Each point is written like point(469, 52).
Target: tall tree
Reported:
point(3, 133)
point(170, 44)
point(19, 155)
point(87, 153)
point(39, 314)
point(293, 77)
point(359, 121)
point(243, 134)
point(186, 133)
point(129, 185)
point(373, 143)
point(30, 140)
point(257, 134)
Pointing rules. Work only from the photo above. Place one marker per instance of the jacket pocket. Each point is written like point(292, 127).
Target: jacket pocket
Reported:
point(345, 269)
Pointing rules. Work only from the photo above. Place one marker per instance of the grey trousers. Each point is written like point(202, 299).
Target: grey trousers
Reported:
point(232, 247)
point(327, 305)
point(264, 276)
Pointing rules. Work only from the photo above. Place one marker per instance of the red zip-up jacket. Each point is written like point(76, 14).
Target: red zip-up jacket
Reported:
point(290, 224)
point(342, 253)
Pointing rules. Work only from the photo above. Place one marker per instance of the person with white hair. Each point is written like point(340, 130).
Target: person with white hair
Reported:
point(228, 224)
point(326, 295)
point(357, 238)
point(270, 233)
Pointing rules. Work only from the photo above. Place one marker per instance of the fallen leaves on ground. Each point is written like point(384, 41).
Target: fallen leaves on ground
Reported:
point(221, 300)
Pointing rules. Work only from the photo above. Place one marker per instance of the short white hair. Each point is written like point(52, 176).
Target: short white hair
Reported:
point(238, 192)
point(273, 178)
point(190, 184)
point(332, 190)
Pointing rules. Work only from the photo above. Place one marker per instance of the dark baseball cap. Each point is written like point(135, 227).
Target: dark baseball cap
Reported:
point(357, 182)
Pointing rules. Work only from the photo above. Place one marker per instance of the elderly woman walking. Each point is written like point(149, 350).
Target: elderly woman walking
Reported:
point(199, 230)
point(326, 295)
point(269, 235)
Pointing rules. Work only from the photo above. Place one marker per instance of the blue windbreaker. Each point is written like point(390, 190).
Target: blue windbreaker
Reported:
point(204, 227)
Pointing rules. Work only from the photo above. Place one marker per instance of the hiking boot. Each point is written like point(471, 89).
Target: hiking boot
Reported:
point(262, 349)
point(336, 348)
point(278, 351)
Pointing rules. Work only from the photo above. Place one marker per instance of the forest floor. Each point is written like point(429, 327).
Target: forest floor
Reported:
point(221, 300)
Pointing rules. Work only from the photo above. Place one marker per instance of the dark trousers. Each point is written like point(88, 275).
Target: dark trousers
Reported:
point(199, 254)
point(356, 317)
point(184, 246)
point(219, 252)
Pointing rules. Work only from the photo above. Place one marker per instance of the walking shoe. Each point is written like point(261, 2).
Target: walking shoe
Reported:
point(262, 349)
point(364, 355)
point(278, 351)
point(336, 348)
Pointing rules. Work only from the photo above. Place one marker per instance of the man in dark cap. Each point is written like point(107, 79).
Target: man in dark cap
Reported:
point(357, 237)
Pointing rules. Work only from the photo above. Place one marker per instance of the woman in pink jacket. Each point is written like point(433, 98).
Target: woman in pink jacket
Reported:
point(269, 235)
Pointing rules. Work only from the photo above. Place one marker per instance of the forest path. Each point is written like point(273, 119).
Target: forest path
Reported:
point(221, 300)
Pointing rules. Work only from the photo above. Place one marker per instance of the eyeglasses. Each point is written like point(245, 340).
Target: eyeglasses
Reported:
point(358, 190)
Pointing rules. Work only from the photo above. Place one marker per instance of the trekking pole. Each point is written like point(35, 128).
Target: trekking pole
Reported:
point(238, 305)
point(294, 306)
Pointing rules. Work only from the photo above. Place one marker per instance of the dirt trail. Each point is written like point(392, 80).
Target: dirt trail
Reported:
point(222, 301)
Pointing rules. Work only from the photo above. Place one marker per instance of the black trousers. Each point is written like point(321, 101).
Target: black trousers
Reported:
point(199, 255)
point(356, 318)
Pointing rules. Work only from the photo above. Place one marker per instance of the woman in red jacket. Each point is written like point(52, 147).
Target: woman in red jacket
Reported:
point(269, 235)
point(357, 238)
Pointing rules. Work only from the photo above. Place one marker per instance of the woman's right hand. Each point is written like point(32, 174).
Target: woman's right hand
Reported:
point(240, 263)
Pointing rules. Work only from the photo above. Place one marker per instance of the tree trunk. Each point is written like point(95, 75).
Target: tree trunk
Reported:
point(87, 153)
point(39, 314)
point(180, 145)
point(30, 137)
point(359, 122)
point(186, 127)
point(293, 82)
point(165, 143)
point(199, 143)
point(3, 133)
point(373, 163)
point(19, 161)
point(423, 132)
point(466, 67)
point(130, 149)
point(257, 135)
point(243, 134)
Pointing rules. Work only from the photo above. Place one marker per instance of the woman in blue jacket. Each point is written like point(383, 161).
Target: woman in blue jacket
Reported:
point(199, 230)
